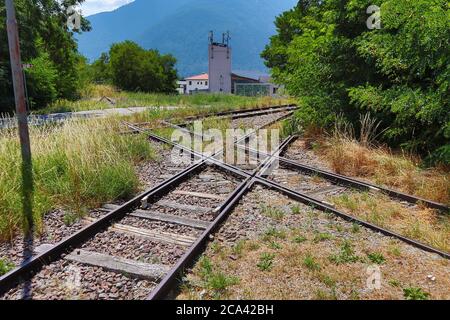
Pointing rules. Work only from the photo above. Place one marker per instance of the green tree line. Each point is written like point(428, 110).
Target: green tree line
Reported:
point(48, 45)
point(59, 71)
point(325, 54)
point(132, 68)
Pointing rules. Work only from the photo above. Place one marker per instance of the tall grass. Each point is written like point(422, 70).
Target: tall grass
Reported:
point(94, 93)
point(358, 155)
point(76, 165)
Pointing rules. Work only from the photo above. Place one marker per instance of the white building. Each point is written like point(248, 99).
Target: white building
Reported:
point(190, 85)
point(182, 86)
point(219, 68)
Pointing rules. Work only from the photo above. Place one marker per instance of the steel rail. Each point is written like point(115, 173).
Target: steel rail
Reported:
point(348, 181)
point(327, 208)
point(236, 112)
point(169, 281)
point(337, 178)
point(26, 270)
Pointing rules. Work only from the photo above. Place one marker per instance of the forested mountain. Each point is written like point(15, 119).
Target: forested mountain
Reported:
point(181, 27)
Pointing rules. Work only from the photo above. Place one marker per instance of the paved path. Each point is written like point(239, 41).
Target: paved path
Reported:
point(37, 120)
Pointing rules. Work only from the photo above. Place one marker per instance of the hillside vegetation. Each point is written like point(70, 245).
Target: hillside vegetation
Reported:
point(327, 57)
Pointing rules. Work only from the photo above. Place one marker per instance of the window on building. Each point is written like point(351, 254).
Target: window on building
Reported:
point(190, 83)
point(206, 83)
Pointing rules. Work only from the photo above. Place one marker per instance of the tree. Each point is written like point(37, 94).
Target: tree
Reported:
point(136, 69)
point(43, 34)
point(325, 55)
point(99, 70)
point(41, 79)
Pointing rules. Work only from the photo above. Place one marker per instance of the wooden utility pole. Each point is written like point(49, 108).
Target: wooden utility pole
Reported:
point(21, 111)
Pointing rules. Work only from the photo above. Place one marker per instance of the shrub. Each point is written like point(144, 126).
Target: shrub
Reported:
point(266, 261)
point(376, 257)
point(413, 293)
point(5, 266)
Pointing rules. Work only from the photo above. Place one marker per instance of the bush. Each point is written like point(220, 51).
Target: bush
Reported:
point(413, 293)
point(76, 166)
point(326, 56)
point(41, 81)
point(135, 69)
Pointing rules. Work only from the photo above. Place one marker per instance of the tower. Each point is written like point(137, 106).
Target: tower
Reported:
point(219, 64)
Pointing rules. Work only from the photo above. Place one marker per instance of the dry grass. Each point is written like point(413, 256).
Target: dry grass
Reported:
point(423, 224)
point(76, 165)
point(295, 264)
point(214, 102)
point(381, 166)
point(305, 270)
point(357, 155)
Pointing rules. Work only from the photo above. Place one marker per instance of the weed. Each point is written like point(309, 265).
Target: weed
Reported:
point(273, 232)
point(253, 246)
point(266, 261)
point(275, 245)
point(376, 257)
point(70, 219)
point(216, 247)
point(395, 250)
point(323, 295)
point(238, 247)
point(299, 239)
point(394, 283)
point(271, 212)
point(319, 237)
point(295, 209)
point(73, 168)
point(310, 263)
point(413, 293)
point(215, 280)
point(205, 266)
point(327, 280)
point(346, 254)
point(5, 266)
point(219, 281)
point(355, 227)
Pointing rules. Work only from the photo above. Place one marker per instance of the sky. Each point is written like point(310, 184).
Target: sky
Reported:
point(90, 7)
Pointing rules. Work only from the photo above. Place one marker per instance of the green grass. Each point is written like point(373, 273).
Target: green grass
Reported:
point(413, 293)
point(346, 254)
point(319, 237)
point(376, 257)
point(215, 281)
point(213, 102)
point(76, 165)
point(273, 232)
point(238, 247)
point(5, 266)
point(275, 245)
point(299, 239)
point(272, 212)
point(310, 263)
point(265, 261)
point(295, 209)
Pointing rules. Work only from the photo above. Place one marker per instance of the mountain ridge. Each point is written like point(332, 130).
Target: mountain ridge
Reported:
point(181, 28)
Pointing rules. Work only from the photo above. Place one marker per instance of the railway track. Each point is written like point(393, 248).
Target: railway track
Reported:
point(313, 198)
point(168, 223)
point(177, 217)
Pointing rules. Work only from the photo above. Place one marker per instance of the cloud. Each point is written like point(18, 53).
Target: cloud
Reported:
point(90, 7)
